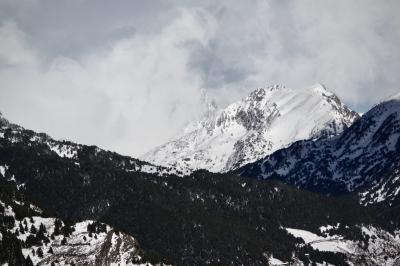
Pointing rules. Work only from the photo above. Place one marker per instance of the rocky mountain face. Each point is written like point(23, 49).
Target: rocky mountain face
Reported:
point(365, 158)
point(266, 120)
point(138, 216)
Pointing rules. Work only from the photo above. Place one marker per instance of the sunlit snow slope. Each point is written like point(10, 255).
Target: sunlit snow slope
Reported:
point(266, 120)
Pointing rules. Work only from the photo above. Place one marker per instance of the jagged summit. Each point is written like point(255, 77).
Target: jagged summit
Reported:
point(267, 119)
point(260, 92)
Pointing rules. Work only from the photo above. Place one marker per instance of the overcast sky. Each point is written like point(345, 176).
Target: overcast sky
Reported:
point(127, 75)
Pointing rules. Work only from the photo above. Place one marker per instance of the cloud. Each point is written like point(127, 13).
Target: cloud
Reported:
point(13, 50)
point(352, 47)
point(134, 96)
point(130, 77)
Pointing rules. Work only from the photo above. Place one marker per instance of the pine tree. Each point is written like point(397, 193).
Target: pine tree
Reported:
point(39, 252)
point(57, 226)
point(33, 229)
point(42, 228)
point(41, 234)
point(50, 251)
point(21, 228)
point(64, 241)
point(28, 261)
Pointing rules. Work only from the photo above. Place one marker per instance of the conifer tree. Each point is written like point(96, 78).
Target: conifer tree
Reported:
point(21, 228)
point(28, 261)
point(39, 252)
point(57, 226)
point(33, 229)
point(42, 228)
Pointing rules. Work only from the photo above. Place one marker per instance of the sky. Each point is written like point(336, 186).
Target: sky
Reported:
point(128, 75)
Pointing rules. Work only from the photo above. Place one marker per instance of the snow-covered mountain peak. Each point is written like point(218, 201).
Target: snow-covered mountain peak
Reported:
point(209, 107)
point(210, 104)
point(260, 93)
point(321, 89)
point(365, 156)
point(395, 97)
point(267, 119)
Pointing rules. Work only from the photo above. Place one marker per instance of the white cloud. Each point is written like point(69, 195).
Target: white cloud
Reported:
point(130, 78)
point(351, 46)
point(128, 99)
point(13, 49)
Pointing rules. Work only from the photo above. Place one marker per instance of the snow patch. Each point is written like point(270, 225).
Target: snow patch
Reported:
point(331, 243)
point(64, 151)
point(3, 170)
point(275, 262)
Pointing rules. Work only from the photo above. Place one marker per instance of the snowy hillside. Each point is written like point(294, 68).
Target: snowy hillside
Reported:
point(28, 236)
point(205, 218)
point(73, 151)
point(378, 247)
point(365, 157)
point(80, 247)
point(266, 120)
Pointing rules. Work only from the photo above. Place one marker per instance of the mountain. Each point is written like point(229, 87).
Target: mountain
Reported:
point(365, 158)
point(29, 236)
point(70, 150)
point(199, 219)
point(266, 120)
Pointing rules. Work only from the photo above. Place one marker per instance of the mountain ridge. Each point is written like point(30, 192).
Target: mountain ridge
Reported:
point(253, 127)
point(365, 156)
point(203, 218)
